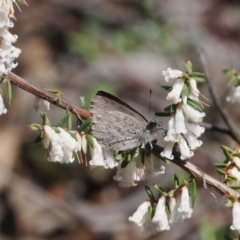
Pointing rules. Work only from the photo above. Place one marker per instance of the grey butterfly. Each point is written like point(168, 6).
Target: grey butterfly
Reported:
point(117, 126)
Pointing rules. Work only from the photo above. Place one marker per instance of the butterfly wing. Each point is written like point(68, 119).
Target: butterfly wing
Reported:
point(115, 124)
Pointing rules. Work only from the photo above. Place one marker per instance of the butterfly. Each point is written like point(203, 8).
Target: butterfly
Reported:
point(117, 126)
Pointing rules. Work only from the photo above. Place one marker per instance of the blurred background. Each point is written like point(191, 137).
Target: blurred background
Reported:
point(120, 46)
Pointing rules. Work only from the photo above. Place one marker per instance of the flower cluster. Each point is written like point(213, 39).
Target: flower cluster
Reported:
point(183, 127)
point(230, 169)
point(61, 145)
point(135, 170)
point(234, 95)
point(8, 53)
point(179, 209)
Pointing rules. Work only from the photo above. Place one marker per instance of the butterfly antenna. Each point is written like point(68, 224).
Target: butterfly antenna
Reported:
point(150, 102)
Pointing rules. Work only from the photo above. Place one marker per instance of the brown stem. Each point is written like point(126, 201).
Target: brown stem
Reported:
point(50, 97)
point(198, 174)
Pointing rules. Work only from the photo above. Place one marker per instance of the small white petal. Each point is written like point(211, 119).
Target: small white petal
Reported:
point(180, 123)
point(171, 135)
point(167, 151)
point(128, 175)
point(184, 148)
point(138, 216)
point(96, 154)
point(192, 113)
point(160, 216)
point(175, 94)
point(170, 73)
point(185, 208)
point(236, 216)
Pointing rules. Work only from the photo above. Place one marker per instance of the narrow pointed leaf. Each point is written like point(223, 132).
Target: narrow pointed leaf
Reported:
point(235, 187)
point(8, 91)
point(168, 88)
point(221, 172)
point(64, 121)
point(35, 127)
point(220, 165)
point(45, 119)
point(54, 91)
point(69, 122)
point(159, 189)
point(84, 125)
point(193, 190)
point(196, 74)
point(149, 193)
point(237, 154)
point(227, 237)
point(176, 181)
point(163, 114)
point(227, 152)
point(38, 139)
point(170, 109)
point(90, 140)
point(188, 67)
point(200, 79)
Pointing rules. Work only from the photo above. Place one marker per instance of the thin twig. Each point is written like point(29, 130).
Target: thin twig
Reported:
point(215, 128)
point(233, 131)
point(50, 97)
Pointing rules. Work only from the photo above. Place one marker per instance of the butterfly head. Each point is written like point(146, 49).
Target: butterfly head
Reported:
point(153, 127)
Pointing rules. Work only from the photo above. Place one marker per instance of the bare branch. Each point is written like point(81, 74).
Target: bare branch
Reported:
point(43, 94)
point(233, 130)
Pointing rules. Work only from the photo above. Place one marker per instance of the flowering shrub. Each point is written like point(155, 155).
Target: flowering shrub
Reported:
point(144, 161)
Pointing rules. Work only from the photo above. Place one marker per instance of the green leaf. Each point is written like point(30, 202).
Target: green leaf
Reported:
point(232, 81)
point(185, 90)
point(188, 67)
point(230, 203)
point(159, 189)
point(168, 88)
point(65, 120)
point(90, 140)
point(235, 187)
point(163, 114)
point(196, 74)
point(220, 165)
point(149, 193)
point(227, 237)
point(54, 91)
point(45, 119)
point(228, 72)
point(221, 172)
point(118, 156)
point(194, 105)
point(84, 125)
point(69, 122)
point(200, 79)
point(151, 212)
point(127, 159)
point(176, 181)
point(35, 127)
point(227, 152)
point(193, 190)
point(38, 139)
point(170, 109)
point(8, 91)
point(236, 154)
